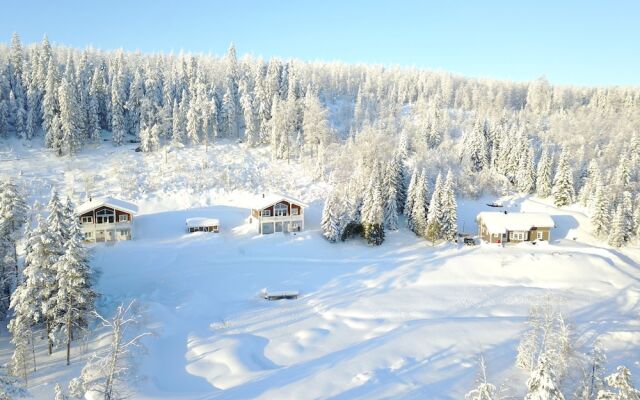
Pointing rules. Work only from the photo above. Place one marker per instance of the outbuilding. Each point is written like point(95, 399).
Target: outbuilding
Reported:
point(200, 224)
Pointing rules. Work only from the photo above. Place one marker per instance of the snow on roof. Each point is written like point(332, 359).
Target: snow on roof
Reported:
point(109, 202)
point(271, 199)
point(201, 221)
point(496, 222)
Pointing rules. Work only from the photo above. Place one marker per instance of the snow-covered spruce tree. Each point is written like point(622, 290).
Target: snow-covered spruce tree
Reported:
point(133, 103)
point(620, 386)
point(178, 124)
point(618, 227)
point(118, 102)
point(251, 128)
point(449, 222)
point(484, 390)
point(194, 123)
point(542, 384)
point(106, 371)
point(74, 300)
point(593, 378)
point(475, 148)
point(13, 215)
point(587, 191)
point(391, 208)
point(563, 191)
point(69, 120)
point(31, 299)
point(396, 176)
point(373, 213)
point(600, 214)
point(622, 175)
point(526, 175)
point(411, 198)
point(627, 204)
point(433, 230)
point(420, 206)
point(57, 220)
point(330, 223)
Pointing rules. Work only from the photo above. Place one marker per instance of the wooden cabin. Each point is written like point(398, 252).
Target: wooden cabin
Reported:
point(106, 219)
point(503, 227)
point(278, 213)
point(199, 224)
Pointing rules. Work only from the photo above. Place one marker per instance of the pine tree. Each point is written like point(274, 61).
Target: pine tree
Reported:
point(563, 191)
point(600, 218)
point(178, 123)
point(541, 385)
point(618, 227)
point(372, 213)
point(411, 198)
point(73, 301)
point(420, 206)
point(433, 230)
point(475, 147)
point(251, 128)
point(118, 101)
point(391, 209)
point(620, 381)
point(69, 121)
point(330, 223)
point(12, 218)
point(627, 204)
point(587, 191)
point(526, 176)
point(449, 222)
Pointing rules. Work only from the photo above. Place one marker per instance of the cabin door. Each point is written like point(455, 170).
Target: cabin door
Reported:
point(278, 226)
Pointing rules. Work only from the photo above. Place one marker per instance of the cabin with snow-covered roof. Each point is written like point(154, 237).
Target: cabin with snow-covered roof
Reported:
point(503, 227)
point(277, 213)
point(106, 219)
point(200, 224)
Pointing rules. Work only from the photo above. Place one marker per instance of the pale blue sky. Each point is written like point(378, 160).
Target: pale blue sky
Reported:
point(585, 42)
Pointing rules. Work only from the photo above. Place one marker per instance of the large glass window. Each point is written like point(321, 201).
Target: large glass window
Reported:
point(281, 210)
point(105, 217)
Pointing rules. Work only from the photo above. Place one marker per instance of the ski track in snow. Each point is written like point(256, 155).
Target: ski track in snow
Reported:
point(405, 320)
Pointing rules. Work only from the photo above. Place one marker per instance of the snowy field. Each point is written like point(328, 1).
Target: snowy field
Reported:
point(404, 320)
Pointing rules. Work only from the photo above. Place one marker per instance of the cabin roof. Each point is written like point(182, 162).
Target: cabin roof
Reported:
point(109, 202)
point(271, 199)
point(499, 222)
point(196, 222)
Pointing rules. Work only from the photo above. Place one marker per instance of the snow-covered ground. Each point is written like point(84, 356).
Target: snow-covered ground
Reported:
point(404, 320)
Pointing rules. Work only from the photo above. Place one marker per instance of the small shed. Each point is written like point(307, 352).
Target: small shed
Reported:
point(200, 224)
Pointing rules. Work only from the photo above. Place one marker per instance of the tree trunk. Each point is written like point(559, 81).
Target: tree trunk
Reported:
point(69, 337)
point(50, 342)
point(33, 350)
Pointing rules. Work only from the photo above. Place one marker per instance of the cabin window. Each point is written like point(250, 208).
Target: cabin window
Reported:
point(281, 210)
point(105, 217)
point(266, 213)
point(123, 218)
point(86, 220)
point(540, 236)
point(294, 211)
point(517, 236)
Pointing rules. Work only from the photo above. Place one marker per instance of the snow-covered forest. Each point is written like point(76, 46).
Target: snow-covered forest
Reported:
point(382, 150)
point(573, 143)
